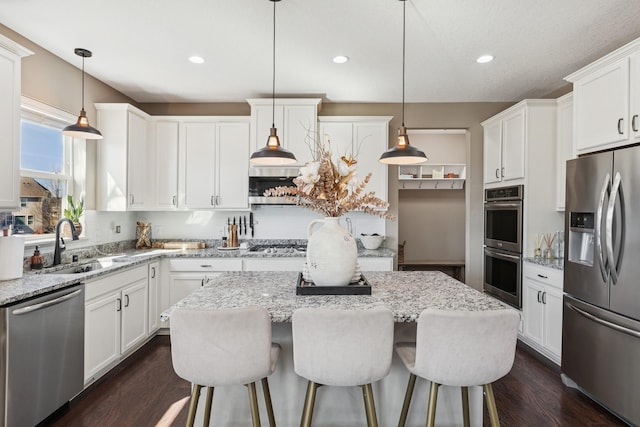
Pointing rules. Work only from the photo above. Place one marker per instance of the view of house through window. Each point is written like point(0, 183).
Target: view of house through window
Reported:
point(44, 178)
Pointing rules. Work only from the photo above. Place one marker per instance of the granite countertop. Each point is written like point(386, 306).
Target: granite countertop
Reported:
point(35, 283)
point(405, 293)
point(556, 263)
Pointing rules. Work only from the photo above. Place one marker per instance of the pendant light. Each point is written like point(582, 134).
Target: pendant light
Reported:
point(273, 153)
point(82, 128)
point(403, 153)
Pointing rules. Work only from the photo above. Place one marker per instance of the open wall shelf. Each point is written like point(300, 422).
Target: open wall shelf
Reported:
point(431, 176)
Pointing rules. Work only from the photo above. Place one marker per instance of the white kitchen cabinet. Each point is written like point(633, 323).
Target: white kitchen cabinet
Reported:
point(123, 163)
point(11, 55)
point(607, 101)
point(542, 309)
point(375, 263)
point(504, 146)
point(295, 119)
point(186, 275)
point(154, 296)
point(363, 138)
point(116, 319)
point(164, 148)
point(214, 172)
point(564, 148)
point(274, 264)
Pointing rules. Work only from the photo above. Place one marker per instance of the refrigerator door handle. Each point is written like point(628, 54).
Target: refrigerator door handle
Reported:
point(614, 266)
point(603, 322)
point(598, 228)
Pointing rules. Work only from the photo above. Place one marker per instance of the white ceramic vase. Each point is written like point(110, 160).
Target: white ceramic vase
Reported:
point(332, 253)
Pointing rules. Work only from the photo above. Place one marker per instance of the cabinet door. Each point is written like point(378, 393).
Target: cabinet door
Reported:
point(101, 333)
point(376, 264)
point(166, 165)
point(232, 164)
point(601, 102)
point(274, 264)
point(513, 145)
point(564, 148)
point(634, 112)
point(137, 160)
point(198, 174)
point(339, 135)
point(184, 284)
point(492, 152)
point(369, 142)
point(9, 130)
point(135, 314)
point(532, 309)
point(154, 296)
point(299, 131)
point(552, 321)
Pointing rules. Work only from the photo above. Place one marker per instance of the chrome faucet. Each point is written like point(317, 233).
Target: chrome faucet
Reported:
point(60, 247)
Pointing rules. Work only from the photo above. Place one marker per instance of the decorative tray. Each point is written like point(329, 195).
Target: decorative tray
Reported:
point(360, 287)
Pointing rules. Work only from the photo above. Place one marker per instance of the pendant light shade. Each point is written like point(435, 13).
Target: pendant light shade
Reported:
point(273, 153)
point(82, 128)
point(403, 153)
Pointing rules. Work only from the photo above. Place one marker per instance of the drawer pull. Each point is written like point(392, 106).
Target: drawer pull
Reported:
point(542, 277)
point(205, 265)
point(620, 131)
point(634, 123)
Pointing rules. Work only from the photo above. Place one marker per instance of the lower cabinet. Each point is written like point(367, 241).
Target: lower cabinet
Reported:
point(154, 296)
point(542, 310)
point(116, 319)
point(189, 274)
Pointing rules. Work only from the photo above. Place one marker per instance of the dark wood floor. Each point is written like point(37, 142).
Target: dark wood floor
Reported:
point(144, 391)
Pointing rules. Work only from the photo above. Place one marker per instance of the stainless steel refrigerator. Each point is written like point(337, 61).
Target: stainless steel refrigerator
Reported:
point(601, 313)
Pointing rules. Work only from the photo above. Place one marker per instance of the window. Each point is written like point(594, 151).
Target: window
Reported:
point(45, 170)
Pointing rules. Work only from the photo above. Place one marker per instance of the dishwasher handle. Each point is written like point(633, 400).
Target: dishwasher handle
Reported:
point(40, 306)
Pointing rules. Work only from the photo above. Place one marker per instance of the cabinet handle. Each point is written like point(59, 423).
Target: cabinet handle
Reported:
point(544, 297)
point(153, 272)
point(205, 265)
point(502, 172)
point(634, 123)
point(173, 200)
point(620, 131)
point(131, 199)
point(213, 203)
point(498, 173)
point(542, 277)
point(119, 304)
point(126, 299)
point(217, 200)
point(202, 282)
point(539, 296)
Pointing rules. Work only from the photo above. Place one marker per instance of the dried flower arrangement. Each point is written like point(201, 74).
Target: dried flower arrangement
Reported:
point(332, 188)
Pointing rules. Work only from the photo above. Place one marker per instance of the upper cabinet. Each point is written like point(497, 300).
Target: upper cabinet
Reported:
point(364, 138)
point(564, 148)
point(11, 55)
point(606, 101)
point(504, 146)
point(295, 119)
point(122, 159)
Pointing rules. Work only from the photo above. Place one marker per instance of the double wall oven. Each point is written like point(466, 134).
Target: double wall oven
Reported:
point(503, 244)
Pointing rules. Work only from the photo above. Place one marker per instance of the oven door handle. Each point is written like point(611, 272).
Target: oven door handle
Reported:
point(501, 255)
point(501, 205)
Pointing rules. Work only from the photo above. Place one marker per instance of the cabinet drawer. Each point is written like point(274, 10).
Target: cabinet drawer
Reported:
point(114, 281)
point(206, 264)
point(547, 275)
point(274, 264)
point(375, 264)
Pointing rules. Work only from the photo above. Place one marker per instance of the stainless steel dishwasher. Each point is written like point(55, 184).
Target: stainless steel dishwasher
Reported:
point(42, 355)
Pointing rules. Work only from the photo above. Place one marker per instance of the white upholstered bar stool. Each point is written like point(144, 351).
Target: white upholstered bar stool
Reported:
point(342, 348)
point(456, 348)
point(224, 347)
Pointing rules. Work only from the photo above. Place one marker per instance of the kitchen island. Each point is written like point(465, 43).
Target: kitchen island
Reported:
point(406, 294)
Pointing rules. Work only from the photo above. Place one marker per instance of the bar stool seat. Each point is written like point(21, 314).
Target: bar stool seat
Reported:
point(342, 348)
point(460, 349)
point(224, 347)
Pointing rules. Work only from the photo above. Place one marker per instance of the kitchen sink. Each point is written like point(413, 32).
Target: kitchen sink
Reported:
point(80, 268)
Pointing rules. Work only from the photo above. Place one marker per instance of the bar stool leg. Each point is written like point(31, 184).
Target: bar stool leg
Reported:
point(309, 402)
point(491, 405)
point(369, 405)
point(207, 408)
point(253, 402)
point(267, 401)
point(433, 400)
point(465, 406)
point(407, 400)
point(195, 395)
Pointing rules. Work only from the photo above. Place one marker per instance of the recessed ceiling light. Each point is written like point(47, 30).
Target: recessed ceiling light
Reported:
point(484, 59)
point(341, 59)
point(196, 59)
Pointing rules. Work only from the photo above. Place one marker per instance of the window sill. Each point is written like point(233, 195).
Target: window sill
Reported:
point(44, 240)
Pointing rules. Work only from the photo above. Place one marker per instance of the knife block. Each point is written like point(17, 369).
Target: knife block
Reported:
point(233, 236)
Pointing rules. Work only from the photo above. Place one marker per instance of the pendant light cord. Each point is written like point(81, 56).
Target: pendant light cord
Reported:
point(83, 82)
point(404, 8)
point(273, 91)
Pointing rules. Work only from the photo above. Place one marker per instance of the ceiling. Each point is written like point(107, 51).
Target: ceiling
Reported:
point(141, 47)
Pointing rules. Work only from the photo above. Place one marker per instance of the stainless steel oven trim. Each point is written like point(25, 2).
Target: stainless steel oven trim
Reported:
point(497, 292)
point(499, 244)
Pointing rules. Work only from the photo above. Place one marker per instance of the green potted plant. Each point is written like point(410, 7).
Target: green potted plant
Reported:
point(74, 211)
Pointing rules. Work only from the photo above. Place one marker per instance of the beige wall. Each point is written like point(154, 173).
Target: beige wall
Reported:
point(53, 81)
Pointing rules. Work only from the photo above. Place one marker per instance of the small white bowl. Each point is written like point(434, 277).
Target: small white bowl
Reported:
point(371, 242)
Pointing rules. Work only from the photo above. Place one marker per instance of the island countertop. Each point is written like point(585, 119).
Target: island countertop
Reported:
point(405, 293)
